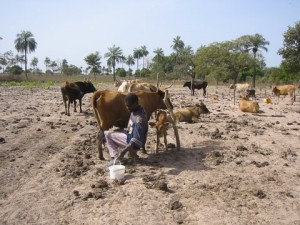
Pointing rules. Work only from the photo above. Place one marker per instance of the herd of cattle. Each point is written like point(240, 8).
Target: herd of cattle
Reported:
point(110, 110)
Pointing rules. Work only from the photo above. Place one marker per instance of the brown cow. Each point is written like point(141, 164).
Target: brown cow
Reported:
point(284, 90)
point(110, 110)
point(248, 106)
point(187, 114)
point(161, 126)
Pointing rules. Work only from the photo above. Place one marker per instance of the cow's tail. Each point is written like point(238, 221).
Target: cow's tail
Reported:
point(95, 97)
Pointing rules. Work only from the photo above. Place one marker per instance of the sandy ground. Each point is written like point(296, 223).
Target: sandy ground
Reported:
point(233, 167)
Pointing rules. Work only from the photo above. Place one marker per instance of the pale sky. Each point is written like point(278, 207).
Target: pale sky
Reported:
point(73, 29)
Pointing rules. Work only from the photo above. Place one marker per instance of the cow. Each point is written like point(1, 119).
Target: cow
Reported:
point(161, 124)
point(123, 88)
point(214, 97)
point(251, 93)
point(240, 87)
point(284, 90)
point(110, 110)
point(196, 85)
point(124, 85)
point(142, 86)
point(188, 113)
point(73, 91)
point(248, 106)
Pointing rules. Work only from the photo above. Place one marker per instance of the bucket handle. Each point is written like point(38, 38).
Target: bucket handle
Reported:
point(115, 162)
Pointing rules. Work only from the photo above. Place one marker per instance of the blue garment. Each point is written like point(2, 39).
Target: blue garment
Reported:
point(137, 128)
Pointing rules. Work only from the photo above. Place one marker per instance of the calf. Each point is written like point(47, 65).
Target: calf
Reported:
point(187, 114)
point(161, 126)
point(248, 106)
point(73, 91)
point(196, 85)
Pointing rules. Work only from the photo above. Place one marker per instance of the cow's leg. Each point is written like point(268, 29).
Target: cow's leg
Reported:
point(165, 140)
point(100, 141)
point(65, 104)
point(80, 103)
point(75, 106)
point(157, 143)
point(68, 113)
point(204, 92)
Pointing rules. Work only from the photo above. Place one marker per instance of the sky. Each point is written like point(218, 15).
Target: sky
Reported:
point(73, 29)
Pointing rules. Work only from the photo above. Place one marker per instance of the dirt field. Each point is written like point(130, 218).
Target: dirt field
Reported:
point(233, 167)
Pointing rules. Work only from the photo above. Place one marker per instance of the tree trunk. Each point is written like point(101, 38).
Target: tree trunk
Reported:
point(26, 65)
point(114, 75)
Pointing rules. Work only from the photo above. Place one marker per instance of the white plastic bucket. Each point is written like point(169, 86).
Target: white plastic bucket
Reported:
point(117, 172)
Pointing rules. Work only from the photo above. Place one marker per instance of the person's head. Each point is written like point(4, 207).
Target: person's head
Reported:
point(131, 102)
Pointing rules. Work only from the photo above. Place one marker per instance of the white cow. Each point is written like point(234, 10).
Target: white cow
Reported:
point(240, 87)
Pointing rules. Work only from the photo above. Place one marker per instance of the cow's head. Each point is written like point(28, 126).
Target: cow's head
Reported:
point(89, 87)
point(187, 84)
point(161, 123)
point(202, 108)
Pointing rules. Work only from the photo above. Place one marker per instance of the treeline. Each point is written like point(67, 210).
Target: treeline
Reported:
point(239, 60)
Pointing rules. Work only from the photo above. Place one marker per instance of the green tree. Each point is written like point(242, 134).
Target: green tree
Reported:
point(121, 72)
point(114, 55)
point(130, 62)
point(47, 62)
point(93, 60)
point(137, 54)
point(16, 70)
point(20, 59)
point(290, 51)
point(177, 46)
point(7, 59)
point(25, 43)
point(223, 61)
point(34, 63)
point(257, 42)
point(159, 54)
point(54, 66)
point(252, 43)
point(144, 52)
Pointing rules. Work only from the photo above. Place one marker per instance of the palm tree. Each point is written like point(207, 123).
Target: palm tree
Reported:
point(144, 53)
point(114, 55)
point(47, 62)
point(257, 42)
point(25, 43)
point(159, 54)
point(137, 54)
point(178, 45)
point(130, 61)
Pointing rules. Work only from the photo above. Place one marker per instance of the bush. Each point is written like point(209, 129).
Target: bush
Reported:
point(15, 70)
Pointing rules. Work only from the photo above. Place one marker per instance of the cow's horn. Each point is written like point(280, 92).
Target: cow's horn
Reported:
point(170, 85)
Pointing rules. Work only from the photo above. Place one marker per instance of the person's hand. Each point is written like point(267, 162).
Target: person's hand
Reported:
point(123, 152)
point(121, 155)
